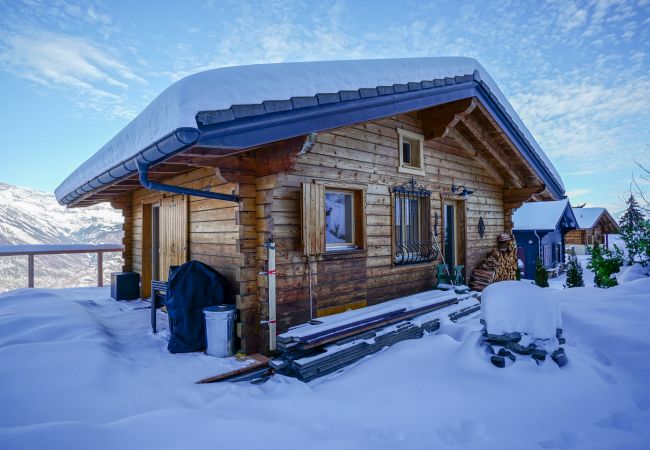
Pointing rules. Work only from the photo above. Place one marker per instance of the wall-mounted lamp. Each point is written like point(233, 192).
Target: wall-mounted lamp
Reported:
point(461, 190)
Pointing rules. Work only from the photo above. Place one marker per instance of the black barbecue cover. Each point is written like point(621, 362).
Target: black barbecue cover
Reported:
point(191, 287)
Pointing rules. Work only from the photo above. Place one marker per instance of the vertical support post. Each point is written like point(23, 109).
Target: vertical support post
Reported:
point(271, 274)
point(30, 270)
point(100, 269)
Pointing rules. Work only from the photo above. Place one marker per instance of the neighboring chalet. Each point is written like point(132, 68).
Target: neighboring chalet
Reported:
point(594, 226)
point(355, 170)
point(540, 229)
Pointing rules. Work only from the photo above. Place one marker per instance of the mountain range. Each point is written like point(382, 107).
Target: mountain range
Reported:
point(30, 216)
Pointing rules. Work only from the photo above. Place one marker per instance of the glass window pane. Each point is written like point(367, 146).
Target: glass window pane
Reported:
point(406, 152)
point(338, 218)
point(450, 237)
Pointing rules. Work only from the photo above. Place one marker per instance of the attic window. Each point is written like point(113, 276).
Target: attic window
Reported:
point(411, 152)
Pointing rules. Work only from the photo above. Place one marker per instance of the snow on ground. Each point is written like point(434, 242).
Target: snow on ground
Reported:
point(587, 275)
point(80, 371)
point(632, 273)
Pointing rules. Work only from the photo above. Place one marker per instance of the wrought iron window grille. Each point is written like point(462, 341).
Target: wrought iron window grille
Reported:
point(412, 224)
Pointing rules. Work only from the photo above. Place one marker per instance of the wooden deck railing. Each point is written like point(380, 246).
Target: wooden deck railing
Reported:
point(32, 250)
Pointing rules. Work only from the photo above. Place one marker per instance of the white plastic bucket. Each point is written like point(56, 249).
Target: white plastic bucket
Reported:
point(220, 330)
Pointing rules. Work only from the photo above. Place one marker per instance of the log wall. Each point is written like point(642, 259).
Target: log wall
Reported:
point(230, 237)
point(366, 156)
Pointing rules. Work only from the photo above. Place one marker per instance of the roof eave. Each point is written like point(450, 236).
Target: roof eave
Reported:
point(248, 126)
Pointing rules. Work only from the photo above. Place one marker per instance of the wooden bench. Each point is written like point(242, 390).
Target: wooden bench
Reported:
point(158, 296)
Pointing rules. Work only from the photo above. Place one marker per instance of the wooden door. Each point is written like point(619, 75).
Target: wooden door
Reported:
point(173, 233)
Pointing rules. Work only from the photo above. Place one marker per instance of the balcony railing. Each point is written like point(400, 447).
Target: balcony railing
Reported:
point(31, 250)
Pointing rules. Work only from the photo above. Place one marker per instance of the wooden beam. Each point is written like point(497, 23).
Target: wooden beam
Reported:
point(519, 196)
point(491, 148)
point(480, 109)
point(100, 269)
point(435, 121)
point(30, 271)
point(471, 151)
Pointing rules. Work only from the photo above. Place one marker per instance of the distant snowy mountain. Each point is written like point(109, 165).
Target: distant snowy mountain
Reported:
point(34, 217)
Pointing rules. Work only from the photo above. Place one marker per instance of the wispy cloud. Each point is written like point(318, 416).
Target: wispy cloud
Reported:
point(578, 192)
point(93, 76)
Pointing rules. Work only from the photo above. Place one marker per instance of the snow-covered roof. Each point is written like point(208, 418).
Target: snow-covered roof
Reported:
point(258, 85)
point(540, 215)
point(587, 217)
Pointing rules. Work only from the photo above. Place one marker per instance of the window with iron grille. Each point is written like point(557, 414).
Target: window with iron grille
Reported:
point(412, 224)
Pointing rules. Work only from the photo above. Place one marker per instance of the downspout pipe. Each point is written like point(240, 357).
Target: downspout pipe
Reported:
point(143, 172)
point(539, 246)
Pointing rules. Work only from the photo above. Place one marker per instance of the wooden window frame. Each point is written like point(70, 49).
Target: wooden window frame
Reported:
point(408, 168)
point(313, 217)
point(338, 246)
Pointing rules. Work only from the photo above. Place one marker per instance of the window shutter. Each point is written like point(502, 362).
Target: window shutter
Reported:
point(313, 218)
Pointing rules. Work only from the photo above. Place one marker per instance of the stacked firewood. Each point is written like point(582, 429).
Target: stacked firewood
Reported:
point(499, 265)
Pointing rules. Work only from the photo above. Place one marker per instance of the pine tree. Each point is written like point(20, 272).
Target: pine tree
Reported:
point(635, 232)
point(541, 276)
point(574, 273)
point(633, 216)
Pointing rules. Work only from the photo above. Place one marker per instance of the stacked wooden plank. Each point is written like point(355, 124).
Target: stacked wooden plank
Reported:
point(499, 265)
point(317, 349)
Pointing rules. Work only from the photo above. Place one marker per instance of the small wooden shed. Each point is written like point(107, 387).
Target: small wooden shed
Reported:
point(362, 174)
point(540, 230)
point(594, 226)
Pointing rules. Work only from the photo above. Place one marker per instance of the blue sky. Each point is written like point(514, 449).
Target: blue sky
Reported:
point(74, 72)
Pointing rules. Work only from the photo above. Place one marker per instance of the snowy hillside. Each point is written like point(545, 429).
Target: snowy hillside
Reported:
point(34, 217)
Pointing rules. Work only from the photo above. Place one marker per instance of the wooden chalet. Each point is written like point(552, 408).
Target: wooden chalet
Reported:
point(357, 171)
point(540, 230)
point(594, 226)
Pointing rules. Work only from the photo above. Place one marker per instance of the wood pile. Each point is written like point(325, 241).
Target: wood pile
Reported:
point(499, 265)
point(307, 356)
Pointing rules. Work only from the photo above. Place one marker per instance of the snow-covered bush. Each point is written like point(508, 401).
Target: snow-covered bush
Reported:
point(632, 273)
point(520, 307)
point(604, 263)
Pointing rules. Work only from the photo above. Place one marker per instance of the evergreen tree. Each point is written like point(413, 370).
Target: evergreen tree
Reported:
point(633, 216)
point(541, 275)
point(574, 273)
point(604, 263)
point(635, 233)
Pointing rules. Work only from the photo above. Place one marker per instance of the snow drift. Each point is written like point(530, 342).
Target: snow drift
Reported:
point(78, 370)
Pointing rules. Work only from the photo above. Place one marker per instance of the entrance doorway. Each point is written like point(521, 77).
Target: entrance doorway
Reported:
point(164, 238)
point(453, 233)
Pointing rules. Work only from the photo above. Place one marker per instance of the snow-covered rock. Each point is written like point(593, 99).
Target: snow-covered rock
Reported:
point(522, 307)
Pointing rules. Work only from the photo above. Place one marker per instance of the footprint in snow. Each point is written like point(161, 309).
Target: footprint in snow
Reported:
point(605, 375)
point(617, 420)
point(602, 358)
point(565, 440)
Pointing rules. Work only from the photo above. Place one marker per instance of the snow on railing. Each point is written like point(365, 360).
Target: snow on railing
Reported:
point(60, 249)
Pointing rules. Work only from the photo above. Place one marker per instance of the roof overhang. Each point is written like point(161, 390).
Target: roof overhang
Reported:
point(243, 127)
